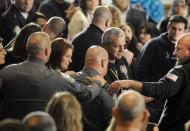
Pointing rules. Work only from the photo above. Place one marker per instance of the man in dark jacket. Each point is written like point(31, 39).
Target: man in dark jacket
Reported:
point(97, 113)
point(156, 59)
point(14, 19)
point(91, 36)
point(174, 87)
point(29, 85)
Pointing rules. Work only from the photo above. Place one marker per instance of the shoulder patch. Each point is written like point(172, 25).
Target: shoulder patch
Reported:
point(172, 77)
point(67, 77)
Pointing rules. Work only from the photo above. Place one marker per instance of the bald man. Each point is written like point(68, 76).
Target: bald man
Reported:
point(101, 21)
point(129, 113)
point(28, 86)
point(174, 87)
point(97, 113)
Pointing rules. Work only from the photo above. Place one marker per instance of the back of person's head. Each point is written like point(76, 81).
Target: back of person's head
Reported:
point(110, 34)
point(19, 45)
point(54, 26)
point(149, 28)
point(12, 125)
point(97, 58)
point(130, 111)
point(116, 16)
point(178, 19)
point(66, 111)
point(38, 46)
point(39, 121)
point(59, 47)
point(102, 17)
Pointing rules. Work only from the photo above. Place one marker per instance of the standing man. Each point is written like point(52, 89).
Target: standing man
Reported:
point(97, 113)
point(156, 59)
point(114, 41)
point(174, 87)
point(101, 21)
point(14, 19)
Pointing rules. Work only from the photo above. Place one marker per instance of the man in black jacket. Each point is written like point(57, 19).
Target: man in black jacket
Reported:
point(91, 36)
point(156, 59)
point(14, 19)
point(174, 87)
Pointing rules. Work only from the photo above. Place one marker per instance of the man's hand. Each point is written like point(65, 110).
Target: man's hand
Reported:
point(128, 56)
point(115, 86)
point(97, 78)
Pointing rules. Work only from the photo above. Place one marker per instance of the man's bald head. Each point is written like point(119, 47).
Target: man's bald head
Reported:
point(95, 57)
point(182, 49)
point(37, 42)
point(130, 105)
point(102, 17)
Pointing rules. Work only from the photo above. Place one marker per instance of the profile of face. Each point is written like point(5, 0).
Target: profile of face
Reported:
point(66, 59)
point(2, 54)
point(24, 5)
point(128, 32)
point(117, 47)
point(41, 22)
point(144, 37)
point(175, 30)
point(181, 51)
point(122, 4)
point(92, 4)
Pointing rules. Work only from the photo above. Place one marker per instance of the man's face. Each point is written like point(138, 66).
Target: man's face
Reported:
point(181, 52)
point(24, 5)
point(117, 47)
point(175, 30)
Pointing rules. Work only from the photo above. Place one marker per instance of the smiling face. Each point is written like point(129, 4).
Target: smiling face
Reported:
point(66, 59)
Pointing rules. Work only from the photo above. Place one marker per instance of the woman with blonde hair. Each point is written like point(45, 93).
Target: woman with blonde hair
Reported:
point(66, 111)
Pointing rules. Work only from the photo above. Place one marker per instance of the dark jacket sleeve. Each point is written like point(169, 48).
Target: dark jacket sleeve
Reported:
point(165, 87)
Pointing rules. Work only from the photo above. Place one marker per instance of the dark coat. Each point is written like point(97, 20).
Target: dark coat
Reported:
point(175, 88)
point(91, 36)
point(29, 85)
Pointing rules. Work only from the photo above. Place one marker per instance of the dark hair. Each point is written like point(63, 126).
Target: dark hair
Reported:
point(59, 48)
point(12, 125)
point(178, 19)
point(84, 6)
point(20, 42)
point(150, 28)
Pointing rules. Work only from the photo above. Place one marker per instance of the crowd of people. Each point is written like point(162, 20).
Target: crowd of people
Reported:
point(83, 65)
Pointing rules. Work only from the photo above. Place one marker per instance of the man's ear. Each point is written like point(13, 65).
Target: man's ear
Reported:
point(103, 63)
point(146, 115)
point(46, 52)
point(107, 23)
point(115, 112)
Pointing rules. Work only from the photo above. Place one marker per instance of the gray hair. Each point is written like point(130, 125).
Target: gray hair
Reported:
point(130, 105)
point(108, 35)
point(39, 121)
